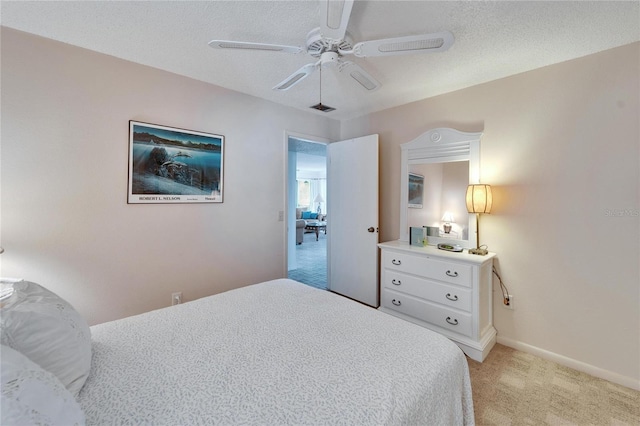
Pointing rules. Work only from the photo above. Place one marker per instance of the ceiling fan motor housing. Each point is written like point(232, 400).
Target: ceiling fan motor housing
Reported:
point(317, 45)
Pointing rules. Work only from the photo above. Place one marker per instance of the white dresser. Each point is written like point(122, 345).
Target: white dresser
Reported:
point(450, 293)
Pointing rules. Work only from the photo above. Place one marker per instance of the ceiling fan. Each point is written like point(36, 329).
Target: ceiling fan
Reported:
point(330, 42)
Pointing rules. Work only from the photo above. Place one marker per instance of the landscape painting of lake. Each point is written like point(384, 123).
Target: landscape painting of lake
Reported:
point(169, 165)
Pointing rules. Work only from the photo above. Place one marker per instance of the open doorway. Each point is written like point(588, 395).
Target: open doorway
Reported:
point(307, 208)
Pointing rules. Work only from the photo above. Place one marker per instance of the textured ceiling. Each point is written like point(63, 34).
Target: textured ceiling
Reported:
point(492, 40)
point(311, 156)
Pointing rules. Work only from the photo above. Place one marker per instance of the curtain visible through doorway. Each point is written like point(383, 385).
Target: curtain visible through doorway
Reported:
point(316, 186)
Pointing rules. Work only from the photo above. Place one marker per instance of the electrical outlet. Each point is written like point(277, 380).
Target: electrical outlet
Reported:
point(509, 304)
point(176, 298)
point(281, 216)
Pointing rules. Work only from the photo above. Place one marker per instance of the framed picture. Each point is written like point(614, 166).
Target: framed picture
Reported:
point(169, 165)
point(416, 188)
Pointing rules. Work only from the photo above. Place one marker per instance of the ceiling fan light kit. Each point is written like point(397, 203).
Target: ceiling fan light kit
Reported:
point(331, 42)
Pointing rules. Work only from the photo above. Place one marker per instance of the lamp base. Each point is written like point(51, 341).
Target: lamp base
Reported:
point(481, 252)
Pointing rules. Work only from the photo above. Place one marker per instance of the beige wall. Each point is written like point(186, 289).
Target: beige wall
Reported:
point(65, 220)
point(561, 149)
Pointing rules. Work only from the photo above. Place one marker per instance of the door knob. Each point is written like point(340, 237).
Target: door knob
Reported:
point(371, 229)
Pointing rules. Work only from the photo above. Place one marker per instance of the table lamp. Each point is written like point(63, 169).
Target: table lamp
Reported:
point(447, 219)
point(319, 200)
point(479, 200)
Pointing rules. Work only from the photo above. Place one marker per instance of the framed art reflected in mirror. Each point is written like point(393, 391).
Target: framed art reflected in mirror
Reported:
point(416, 190)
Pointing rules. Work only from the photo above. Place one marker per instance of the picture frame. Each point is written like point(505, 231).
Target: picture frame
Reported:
point(169, 165)
point(418, 236)
point(416, 190)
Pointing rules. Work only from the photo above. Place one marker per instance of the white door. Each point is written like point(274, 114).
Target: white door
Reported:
point(352, 221)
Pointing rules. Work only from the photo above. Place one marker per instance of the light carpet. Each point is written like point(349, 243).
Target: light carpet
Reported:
point(516, 388)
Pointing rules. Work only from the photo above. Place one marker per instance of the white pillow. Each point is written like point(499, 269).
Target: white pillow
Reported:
point(31, 395)
point(48, 331)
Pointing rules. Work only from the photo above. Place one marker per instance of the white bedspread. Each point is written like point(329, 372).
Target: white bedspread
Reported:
point(274, 353)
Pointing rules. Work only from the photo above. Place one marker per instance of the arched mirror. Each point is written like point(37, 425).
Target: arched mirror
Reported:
point(436, 168)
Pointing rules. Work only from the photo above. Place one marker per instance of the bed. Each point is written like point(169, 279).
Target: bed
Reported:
point(273, 353)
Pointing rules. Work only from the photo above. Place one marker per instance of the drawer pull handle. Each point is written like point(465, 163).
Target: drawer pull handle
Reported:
point(454, 322)
point(396, 262)
point(454, 298)
point(454, 274)
point(396, 282)
point(396, 302)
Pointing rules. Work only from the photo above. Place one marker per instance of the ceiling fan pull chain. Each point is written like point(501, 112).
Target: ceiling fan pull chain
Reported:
point(321, 84)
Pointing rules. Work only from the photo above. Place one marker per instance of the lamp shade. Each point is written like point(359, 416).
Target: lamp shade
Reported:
point(448, 217)
point(319, 198)
point(479, 198)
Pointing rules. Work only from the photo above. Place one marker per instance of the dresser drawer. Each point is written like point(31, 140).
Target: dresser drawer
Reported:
point(451, 272)
point(456, 297)
point(441, 316)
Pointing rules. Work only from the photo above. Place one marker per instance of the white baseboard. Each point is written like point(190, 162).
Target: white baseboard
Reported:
point(572, 363)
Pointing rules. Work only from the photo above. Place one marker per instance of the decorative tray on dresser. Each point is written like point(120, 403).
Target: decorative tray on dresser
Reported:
point(447, 292)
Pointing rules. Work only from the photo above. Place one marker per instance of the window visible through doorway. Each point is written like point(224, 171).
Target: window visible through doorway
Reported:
point(304, 193)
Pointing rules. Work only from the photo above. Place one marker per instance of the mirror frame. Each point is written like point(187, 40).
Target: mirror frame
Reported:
point(441, 145)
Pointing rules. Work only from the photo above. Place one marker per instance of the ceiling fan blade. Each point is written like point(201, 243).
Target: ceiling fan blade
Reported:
point(230, 44)
point(362, 77)
point(296, 77)
point(334, 18)
point(436, 42)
